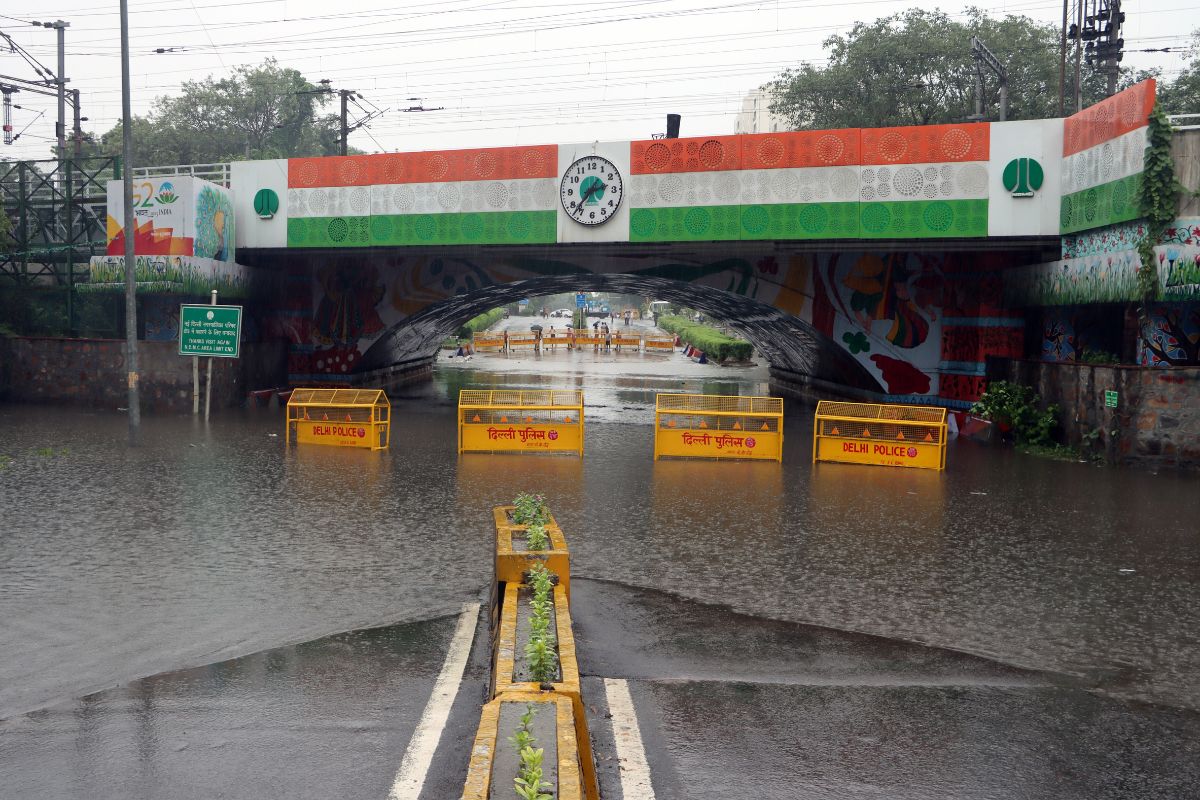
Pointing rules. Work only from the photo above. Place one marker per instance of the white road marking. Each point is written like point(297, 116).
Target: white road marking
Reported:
point(410, 778)
point(631, 754)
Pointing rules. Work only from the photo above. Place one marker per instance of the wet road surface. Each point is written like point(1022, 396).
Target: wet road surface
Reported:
point(211, 544)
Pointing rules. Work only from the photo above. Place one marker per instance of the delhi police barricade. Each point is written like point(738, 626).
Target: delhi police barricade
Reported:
point(537, 421)
point(884, 435)
point(483, 341)
point(716, 426)
point(339, 417)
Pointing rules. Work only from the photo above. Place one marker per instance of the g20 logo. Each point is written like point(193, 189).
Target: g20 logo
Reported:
point(144, 196)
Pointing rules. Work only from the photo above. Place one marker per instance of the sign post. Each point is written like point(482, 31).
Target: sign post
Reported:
point(1110, 398)
point(213, 331)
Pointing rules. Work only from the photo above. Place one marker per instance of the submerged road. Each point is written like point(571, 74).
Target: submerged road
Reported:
point(214, 615)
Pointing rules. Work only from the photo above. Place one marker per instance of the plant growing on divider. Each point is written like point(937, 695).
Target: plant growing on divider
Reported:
point(536, 537)
point(530, 509)
point(529, 784)
point(540, 655)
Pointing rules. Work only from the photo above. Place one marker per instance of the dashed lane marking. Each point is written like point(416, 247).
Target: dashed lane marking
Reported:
point(410, 778)
point(631, 754)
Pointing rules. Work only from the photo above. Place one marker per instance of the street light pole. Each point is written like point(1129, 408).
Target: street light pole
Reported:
point(131, 355)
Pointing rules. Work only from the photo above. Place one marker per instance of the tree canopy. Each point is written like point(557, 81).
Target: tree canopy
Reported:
point(916, 68)
point(266, 111)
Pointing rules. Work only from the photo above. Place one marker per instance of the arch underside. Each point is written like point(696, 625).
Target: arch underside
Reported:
point(786, 341)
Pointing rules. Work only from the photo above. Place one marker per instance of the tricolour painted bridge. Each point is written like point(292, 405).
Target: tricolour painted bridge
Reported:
point(882, 260)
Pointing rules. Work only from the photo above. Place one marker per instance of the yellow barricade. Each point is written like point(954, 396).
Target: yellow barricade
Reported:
point(715, 426)
point(487, 341)
point(658, 343)
point(624, 339)
point(538, 421)
point(885, 435)
point(555, 340)
point(522, 341)
point(339, 417)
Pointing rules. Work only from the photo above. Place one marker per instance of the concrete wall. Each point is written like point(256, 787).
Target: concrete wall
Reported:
point(1157, 419)
point(91, 372)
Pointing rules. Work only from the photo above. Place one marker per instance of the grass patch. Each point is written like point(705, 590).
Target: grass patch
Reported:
point(1054, 452)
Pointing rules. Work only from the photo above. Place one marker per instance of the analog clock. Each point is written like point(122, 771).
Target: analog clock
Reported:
point(591, 190)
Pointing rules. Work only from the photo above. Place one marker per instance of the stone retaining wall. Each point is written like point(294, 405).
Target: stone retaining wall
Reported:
point(1157, 419)
point(91, 372)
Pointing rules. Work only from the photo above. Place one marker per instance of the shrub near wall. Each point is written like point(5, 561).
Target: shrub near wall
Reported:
point(480, 323)
point(715, 344)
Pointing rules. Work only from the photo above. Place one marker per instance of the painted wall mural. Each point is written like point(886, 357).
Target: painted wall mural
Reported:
point(1101, 267)
point(1171, 336)
point(922, 324)
point(185, 275)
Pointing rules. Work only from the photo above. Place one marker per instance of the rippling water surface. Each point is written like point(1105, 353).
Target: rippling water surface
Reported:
point(211, 542)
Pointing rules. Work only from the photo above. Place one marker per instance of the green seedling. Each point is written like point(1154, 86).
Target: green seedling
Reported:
point(5, 461)
point(528, 783)
point(536, 537)
point(530, 509)
point(45, 451)
point(542, 660)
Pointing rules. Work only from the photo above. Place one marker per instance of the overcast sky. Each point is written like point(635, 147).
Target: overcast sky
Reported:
point(506, 71)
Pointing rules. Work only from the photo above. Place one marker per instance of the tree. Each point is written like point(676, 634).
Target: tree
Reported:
point(915, 68)
point(1182, 95)
point(259, 112)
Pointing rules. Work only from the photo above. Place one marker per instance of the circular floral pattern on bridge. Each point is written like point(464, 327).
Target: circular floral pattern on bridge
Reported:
point(939, 216)
point(392, 169)
point(697, 221)
point(318, 200)
point(360, 201)
point(1120, 196)
point(712, 153)
point(533, 163)
point(972, 179)
point(484, 165)
point(908, 181)
point(307, 174)
point(337, 229)
point(770, 151)
point(404, 198)
point(814, 218)
point(381, 229)
point(755, 220)
point(876, 218)
point(438, 166)
point(449, 197)
point(956, 143)
point(830, 148)
point(472, 227)
point(496, 194)
point(670, 189)
point(519, 226)
point(425, 227)
point(642, 223)
point(349, 171)
point(657, 157)
point(1091, 201)
point(892, 146)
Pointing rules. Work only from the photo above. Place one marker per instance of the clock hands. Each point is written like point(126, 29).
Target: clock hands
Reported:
point(586, 194)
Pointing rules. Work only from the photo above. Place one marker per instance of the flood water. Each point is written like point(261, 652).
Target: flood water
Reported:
point(212, 542)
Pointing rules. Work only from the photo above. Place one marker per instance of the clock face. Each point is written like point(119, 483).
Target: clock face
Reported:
point(591, 190)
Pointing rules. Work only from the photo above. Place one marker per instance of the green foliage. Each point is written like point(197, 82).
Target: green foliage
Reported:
point(540, 654)
point(1158, 200)
point(5, 461)
point(1017, 406)
point(536, 537)
point(1181, 95)
point(266, 111)
point(1098, 357)
point(529, 784)
point(716, 345)
point(530, 509)
point(480, 323)
point(916, 68)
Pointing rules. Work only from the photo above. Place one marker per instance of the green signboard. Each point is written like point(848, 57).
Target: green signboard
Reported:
point(210, 331)
point(1110, 398)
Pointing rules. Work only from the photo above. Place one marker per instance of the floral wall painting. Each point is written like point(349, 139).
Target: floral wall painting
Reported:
point(1171, 336)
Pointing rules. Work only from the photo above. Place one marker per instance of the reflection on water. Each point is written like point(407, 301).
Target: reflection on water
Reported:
point(210, 543)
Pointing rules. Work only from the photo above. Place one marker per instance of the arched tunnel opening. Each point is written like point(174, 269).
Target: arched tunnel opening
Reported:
point(788, 343)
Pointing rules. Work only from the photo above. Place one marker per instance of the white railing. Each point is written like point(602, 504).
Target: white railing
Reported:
point(214, 173)
point(1176, 119)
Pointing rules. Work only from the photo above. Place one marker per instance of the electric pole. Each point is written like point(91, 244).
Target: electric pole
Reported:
point(985, 58)
point(131, 359)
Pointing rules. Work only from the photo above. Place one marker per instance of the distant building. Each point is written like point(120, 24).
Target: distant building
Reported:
point(756, 116)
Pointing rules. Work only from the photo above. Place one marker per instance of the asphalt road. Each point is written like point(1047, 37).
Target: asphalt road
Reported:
point(729, 706)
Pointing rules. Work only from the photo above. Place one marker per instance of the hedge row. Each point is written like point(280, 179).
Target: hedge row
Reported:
point(480, 323)
point(716, 345)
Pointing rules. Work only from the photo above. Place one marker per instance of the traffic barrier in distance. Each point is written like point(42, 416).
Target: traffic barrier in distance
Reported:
point(484, 341)
point(666, 343)
point(883, 435)
point(522, 341)
point(339, 417)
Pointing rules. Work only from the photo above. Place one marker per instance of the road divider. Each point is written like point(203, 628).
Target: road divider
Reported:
point(497, 759)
